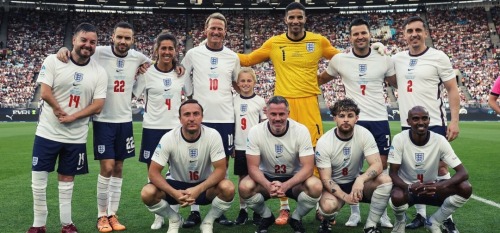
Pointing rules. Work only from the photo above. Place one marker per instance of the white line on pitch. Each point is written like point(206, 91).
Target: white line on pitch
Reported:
point(486, 201)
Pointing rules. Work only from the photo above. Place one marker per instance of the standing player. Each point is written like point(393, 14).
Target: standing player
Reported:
point(363, 73)
point(113, 133)
point(280, 163)
point(414, 157)
point(162, 92)
point(214, 69)
point(71, 93)
point(420, 72)
point(339, 156)
point(295, 56)
point(248, 112)
point(492, 99)
point(190, 151)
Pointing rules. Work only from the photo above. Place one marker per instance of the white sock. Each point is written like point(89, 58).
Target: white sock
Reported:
point(257, 204)
point(115, 193)
point(449, 206)
point(216, 210)
point(284, 203)
point(102, 195)
point(379, 200)
point(355, 210)
point(399, 211)
point(421, 209)
point(326, 216)
point(195, 208)
point(305, 203)
point(39, 189)
point(163, 209)
point(386, 171)
point(243, 205)
point(65, 195)
point(175, 208)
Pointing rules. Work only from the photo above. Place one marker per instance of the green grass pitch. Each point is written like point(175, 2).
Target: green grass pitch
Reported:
point(476, 146)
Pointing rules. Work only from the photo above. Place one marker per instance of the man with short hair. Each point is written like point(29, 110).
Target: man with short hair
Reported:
point(190, 150)
point(214, 70)
point(71, 93)
point(280, 164)
point(366, 87)
point(421, 74)
point(340, 154)
point(414, 157)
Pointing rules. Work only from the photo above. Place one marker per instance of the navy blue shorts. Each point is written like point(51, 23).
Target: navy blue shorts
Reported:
point(435, 128)
point(240, 163)
point(226, 131)
point(113, 140)
point(289, 192)
point(381, 132)
point(347, 188)
point(150, 140)
point(179, 185)
point(72, 157)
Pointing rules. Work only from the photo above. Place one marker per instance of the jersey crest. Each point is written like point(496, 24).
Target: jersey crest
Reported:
point(120, 63)
point(419, 158)
point(147, 154)
point(78, 77)
point(167, 82)
point(278, 148)
point(310, 47)
point(193, 153)
point(214, 61)
point(413, 63)
point(243, 108)
point(101, 149)
point(362, 68)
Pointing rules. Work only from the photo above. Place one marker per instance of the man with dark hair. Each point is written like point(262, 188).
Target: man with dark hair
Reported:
point(340, 154)
point(366, 87)
point(422, 72)
point(113, 129)
point(71, 93)
point(414, 157)
point(280, 164)
point(197, 166)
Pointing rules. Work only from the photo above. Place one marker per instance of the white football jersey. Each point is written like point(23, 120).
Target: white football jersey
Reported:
point(74, 87)
point(212, 74)
point(363, 78)
point(420, 79)
point(345, 157)
point(421, 163)
point(248, 112)
point(162, 95)
point(121, 77)
point(279, 156)
point(189, 162)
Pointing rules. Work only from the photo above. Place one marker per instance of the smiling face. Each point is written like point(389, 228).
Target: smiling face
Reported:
point(122, 38)
point(418, 120)
point(166, 52)
point(415, 35)
point(277, 115)
point(360, 38)
point(246, 83)
point(84, 44)
point(295, 20)
point(215, 32)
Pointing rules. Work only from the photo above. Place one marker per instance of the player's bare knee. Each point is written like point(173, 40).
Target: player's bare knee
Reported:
point(226, 188)
point(329, 204)
point(384, 179)
point(465, 189)
point(149, 194)
point(246, 188)
point(313, 187)
point(398, 196)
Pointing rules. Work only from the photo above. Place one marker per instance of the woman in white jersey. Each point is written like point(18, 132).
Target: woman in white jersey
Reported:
point(162, 90)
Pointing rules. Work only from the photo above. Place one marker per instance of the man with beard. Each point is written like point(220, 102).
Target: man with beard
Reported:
point(214, 70)
point(280, 164)
point(422, 72)
point(340, 154)
point(71, 93)
point(414, 157)
point(197, 166)
point(366, 87)
point(113, 130)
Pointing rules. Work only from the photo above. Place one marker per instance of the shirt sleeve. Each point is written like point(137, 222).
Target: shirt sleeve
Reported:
point(102, 84)
point(304, 142)
point(139, 85)
point(161, 154)
point(496, 87)
point(253, 141)
point(331, 69)
point(257, 56)
point(396, 150)
point(447, 153)
point(322, 156)
point(390, 67)
point(328, 50)
point(188, 80)
point(217, 151)
point(46, 75)
point(445, 69)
